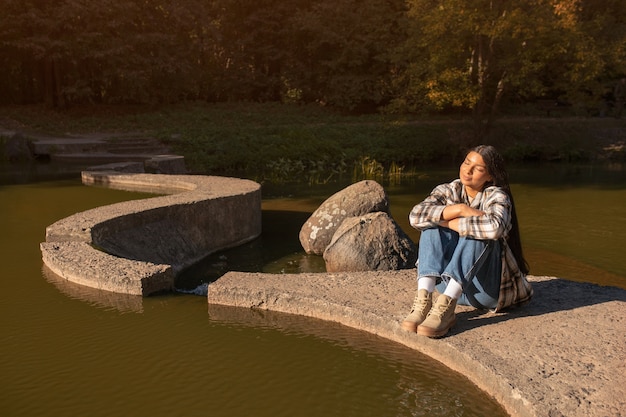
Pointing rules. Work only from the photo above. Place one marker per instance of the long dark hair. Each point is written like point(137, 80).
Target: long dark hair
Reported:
point(496, 168)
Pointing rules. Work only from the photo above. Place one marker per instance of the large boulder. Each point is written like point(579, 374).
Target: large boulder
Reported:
point(355, 200)
point(372, 242)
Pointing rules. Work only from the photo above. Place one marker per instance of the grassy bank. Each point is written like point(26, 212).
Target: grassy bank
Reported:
point(307, 143)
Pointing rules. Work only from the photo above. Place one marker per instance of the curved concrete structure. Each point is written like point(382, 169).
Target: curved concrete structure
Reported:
point(562, 355)
point(137, 247)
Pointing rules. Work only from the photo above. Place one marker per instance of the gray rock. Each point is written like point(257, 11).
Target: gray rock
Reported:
point(356, 200)
point(372, 242)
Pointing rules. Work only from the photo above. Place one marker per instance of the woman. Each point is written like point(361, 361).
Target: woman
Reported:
point(469, 248)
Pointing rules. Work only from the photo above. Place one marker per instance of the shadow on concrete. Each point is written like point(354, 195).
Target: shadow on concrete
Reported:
point(550, 296)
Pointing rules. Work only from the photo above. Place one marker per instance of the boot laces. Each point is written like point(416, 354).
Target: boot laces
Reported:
point(439, 309)
point(419, 304)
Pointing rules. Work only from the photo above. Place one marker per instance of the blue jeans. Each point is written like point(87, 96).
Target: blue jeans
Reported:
point(475, 264)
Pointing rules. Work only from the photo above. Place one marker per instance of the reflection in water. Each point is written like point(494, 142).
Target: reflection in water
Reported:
point(421, 387)
point(73, 351)
point(277, 250)
point(70, 350)
point(564, 227)
point(98, 298)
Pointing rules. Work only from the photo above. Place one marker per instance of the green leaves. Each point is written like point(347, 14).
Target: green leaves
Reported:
point(417, 55)
point(472, 54)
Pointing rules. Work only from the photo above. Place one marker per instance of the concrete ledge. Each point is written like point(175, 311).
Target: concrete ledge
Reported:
point(80, 263)
point(138, 247)
point(563, 355)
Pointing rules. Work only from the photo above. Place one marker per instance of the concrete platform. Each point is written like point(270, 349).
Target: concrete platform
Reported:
point(562, 355)
point(138, 247)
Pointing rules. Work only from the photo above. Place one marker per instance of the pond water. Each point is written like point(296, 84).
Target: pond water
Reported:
point(571, 218)
point(65, 352)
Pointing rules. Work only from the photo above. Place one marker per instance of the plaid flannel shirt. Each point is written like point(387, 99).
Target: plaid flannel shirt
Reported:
point(495, 224)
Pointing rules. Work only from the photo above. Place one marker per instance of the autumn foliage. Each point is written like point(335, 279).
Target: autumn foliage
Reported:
point(357, 55)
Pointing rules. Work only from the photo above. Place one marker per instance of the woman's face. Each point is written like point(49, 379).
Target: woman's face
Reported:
point(473, 173)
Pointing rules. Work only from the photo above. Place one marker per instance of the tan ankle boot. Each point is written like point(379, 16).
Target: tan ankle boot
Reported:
point(440, 318)
point(421, 306)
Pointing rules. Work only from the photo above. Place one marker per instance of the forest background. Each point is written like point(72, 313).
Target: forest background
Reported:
point(478, 59)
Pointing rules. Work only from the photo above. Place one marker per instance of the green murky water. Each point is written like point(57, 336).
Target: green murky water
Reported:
point(572, 219)
point(65, 352)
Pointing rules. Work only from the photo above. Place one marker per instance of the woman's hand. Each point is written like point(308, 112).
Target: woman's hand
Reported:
point(459, 210)
point(451, 215)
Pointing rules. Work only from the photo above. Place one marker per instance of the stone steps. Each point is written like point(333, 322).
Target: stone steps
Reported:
point(101, 148)
point(121, 153)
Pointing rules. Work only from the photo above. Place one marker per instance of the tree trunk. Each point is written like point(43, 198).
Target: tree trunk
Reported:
point(53, 93)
